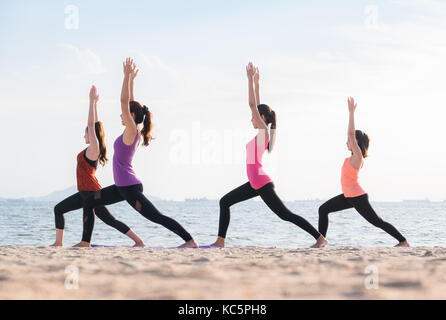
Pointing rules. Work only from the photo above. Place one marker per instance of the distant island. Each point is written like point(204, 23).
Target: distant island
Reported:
point(417, 201)
point(62, 194)
point(196, 199)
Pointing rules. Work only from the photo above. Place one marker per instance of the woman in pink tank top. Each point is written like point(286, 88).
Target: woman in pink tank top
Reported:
point(259, 183)
point(353, 195)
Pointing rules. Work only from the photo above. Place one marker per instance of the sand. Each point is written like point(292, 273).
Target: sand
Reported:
point(230, 273)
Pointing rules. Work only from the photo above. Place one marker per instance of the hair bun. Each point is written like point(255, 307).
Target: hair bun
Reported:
point(145, 109)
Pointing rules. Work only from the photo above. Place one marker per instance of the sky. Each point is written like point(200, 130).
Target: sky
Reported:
point(389, 55)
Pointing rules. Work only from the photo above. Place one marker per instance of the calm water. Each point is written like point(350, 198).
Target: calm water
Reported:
point(252, 224)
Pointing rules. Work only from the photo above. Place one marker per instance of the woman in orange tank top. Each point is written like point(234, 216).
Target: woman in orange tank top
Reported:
point(353, 195)
point(87, 184)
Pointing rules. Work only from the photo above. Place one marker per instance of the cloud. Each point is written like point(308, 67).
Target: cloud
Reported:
point(90, 63)
point(155, 63)
point(181, 83)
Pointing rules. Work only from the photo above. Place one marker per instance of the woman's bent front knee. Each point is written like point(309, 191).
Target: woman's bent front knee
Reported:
point(58, 210)
point(323, 211)
point(225, 202)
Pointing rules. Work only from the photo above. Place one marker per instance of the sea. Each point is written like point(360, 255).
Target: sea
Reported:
point(32, 224)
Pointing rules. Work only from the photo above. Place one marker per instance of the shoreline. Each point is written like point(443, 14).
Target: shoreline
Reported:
point(248, 273)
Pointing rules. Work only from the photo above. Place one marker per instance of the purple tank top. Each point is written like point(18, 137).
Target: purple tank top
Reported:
point(122, 163)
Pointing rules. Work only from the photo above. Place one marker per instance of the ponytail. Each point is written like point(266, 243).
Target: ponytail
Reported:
point(147, 122)
point(272, 136)
point(271, 118)
point(363, 142)
point(100, 134)
point(144, 116)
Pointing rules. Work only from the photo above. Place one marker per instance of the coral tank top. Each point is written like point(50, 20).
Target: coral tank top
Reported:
point(349, 180)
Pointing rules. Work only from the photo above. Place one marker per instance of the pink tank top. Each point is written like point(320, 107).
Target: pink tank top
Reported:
point(256, 175)
point(349, 180)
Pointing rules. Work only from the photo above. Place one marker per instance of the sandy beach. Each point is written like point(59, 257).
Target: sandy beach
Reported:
point(230, 273)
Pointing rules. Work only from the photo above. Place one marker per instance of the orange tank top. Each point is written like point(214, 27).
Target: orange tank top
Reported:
point(85, 173)
point(349, 180)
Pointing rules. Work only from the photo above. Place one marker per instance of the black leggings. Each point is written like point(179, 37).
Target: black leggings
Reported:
point(362, 205)
point(75, 202)
point(271, 199)
point(135, 197)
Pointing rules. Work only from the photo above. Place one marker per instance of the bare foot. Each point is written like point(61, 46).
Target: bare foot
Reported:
point(55, 244)
point(189, 244)
point(321, 242)
point(139, 245)
point(219, 243)
point(82, 244)
point(403, 244)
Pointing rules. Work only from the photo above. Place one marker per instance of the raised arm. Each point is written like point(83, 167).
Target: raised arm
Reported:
point(251, 94)
point(357, 157)
point(93, 151)
point(96, 118)
point(130, 125)
point(257, 85)
point(132, 78)
point(263, 134)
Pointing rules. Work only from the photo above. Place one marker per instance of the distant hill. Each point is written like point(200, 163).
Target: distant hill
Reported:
point(55, 196)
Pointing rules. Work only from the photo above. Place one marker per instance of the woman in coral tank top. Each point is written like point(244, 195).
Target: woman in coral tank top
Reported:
point(87, 184)
point(259, 183)
point(353, 196)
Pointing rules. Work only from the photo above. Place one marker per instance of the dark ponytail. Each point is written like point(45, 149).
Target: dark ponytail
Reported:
point(142, 115)
point(272, 139)
point(147, 129)
point(100, 134)
point(271, 118)
point(363, 142)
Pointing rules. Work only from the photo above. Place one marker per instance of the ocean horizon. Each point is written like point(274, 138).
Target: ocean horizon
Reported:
point(31, 223)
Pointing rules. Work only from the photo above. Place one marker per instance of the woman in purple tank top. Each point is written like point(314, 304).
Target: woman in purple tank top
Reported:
point(127, 186)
